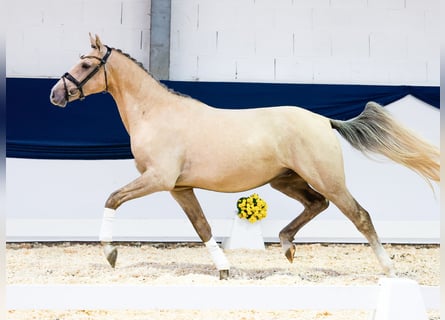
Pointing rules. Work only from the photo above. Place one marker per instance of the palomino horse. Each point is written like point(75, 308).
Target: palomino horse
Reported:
point(180, 143)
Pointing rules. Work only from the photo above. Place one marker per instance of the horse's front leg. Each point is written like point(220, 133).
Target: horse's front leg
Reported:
point(146, 184)
point(188, 202)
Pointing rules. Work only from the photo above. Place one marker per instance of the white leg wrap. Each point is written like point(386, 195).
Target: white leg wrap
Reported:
point(218, 255)
point(106, 230)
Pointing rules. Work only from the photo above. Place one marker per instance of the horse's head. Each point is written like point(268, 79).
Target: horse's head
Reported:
point(84, 78)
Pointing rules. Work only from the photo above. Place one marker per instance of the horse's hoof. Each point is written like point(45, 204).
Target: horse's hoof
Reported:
point(290, 253)
point(223, 274)
point(111, 254)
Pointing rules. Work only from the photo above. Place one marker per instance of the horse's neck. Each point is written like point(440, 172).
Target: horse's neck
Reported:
point(135, 92)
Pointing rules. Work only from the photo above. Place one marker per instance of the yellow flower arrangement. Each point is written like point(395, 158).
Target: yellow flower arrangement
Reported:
point(252, 208)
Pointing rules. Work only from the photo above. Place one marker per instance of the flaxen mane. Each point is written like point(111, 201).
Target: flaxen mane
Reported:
point(134, 60)
point(141, 65)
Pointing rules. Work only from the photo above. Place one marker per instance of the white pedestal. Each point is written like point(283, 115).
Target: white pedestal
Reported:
point(245, 235)
point(399, 299)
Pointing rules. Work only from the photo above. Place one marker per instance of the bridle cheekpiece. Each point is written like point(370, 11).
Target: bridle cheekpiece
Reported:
point(79, 84)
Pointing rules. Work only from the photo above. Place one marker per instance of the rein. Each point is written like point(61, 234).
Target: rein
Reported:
point(79, 84)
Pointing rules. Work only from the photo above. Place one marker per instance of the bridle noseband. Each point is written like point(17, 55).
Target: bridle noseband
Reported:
point(80, 84)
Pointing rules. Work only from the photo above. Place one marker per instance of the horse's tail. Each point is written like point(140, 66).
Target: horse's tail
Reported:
point(374, 130)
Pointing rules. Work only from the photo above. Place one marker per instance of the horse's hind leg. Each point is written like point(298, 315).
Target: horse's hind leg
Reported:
point(362, 221)
point(187, 200)
point(292, 185)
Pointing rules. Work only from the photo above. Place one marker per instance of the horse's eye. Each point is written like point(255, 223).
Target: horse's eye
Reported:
point(85, 65)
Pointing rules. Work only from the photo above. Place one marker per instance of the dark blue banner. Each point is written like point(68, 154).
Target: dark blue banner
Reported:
point(92, 129)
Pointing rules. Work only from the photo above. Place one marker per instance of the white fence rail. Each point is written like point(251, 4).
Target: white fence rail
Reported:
point(145, 297)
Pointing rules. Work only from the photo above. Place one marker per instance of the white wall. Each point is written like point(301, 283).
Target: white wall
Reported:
point(307, 41)
point(44, 38)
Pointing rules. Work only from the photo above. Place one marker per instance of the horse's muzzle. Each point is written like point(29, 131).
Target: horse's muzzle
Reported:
point(57, 97)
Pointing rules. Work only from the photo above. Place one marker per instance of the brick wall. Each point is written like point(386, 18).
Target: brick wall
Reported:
point(307, 41)
point(45, 37)
point(323, 41)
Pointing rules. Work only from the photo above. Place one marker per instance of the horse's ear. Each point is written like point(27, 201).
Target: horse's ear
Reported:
point(95, 42)
point(92, 41)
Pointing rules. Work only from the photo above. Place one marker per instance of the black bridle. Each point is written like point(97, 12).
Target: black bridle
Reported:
point(80, 84)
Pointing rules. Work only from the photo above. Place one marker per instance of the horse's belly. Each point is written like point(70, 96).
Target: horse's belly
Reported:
point(225, 178)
